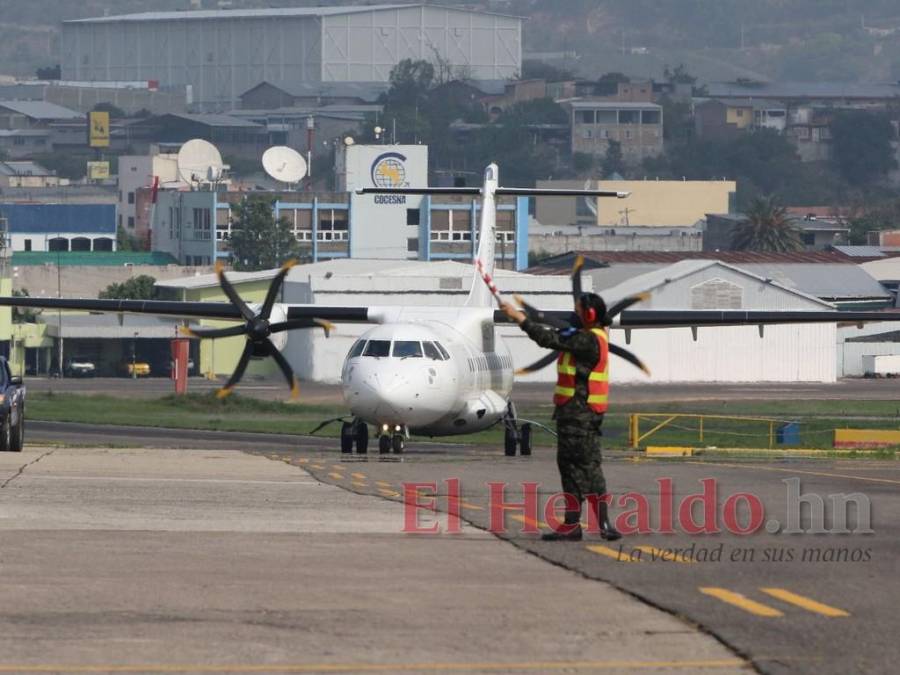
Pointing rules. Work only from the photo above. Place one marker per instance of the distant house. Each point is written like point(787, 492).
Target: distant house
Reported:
point(26, 126)
point(815, 233)
point(270, 96)
point(27, 174)
point(232, 135)
point(638, 127)
point(724, 119)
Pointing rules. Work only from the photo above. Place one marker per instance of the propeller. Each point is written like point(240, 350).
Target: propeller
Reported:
point(258, 329)
point(574, 323)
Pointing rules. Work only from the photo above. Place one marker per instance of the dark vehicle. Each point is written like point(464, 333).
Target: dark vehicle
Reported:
point(80, 368)
point(12, 410)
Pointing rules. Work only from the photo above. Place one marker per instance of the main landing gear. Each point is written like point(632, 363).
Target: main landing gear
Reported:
point(516, 436)
point(354, 434)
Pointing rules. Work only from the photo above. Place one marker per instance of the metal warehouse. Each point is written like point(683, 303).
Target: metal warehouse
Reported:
point(223, 53)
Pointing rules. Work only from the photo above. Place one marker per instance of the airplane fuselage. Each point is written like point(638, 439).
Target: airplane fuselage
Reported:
point(429, 376)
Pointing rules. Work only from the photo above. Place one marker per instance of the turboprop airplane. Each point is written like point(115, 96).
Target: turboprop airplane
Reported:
point(431, 371)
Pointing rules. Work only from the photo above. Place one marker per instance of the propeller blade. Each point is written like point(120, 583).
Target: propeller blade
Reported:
point(543, 362)
point(622, 305)
point(232, 294)
point(213, 332)
point(576, 278)
point(274, 287)
point(238, 372)
point(295, 324)
point(538, 316)
point(628, 356)
point(286, 369)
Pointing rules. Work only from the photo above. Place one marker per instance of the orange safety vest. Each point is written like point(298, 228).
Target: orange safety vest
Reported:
point(598, 381)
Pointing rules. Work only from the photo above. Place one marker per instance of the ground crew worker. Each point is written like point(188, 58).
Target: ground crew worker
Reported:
point(581, 399)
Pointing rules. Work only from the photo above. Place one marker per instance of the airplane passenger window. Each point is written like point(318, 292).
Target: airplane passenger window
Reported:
point(443, 351)
point(432, 352)
point(404, 349)
point(378, 348)
point(357, 349)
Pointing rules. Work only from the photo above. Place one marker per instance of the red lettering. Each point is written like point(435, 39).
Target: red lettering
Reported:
point(499, 506)
point(570, 503)
point(454, 523)
point(593, 512)
point(412, 506)
point(640, 514)
point(756, 510)
point(686, 510)
point(666, 505)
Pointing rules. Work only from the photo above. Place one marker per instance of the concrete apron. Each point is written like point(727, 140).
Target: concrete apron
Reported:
point(217, 561)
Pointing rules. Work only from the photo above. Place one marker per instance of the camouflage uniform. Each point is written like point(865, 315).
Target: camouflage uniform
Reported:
point(578, 453)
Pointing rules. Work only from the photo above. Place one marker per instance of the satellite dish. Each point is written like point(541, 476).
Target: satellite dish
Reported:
point(284, 164)
point(200, 162)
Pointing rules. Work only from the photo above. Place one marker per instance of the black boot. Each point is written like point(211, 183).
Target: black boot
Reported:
point(607, 531)
point(570, 531)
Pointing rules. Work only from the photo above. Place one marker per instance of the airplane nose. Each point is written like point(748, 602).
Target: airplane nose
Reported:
point(392, 396)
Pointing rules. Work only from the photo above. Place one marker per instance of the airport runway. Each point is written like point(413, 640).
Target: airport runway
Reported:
point(153, 560)
point(832, 612)
point(535, 394)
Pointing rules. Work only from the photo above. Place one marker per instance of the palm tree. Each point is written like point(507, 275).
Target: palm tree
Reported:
point(767, 228)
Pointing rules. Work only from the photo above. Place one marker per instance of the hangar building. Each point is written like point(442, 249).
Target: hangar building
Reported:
point(221, 54)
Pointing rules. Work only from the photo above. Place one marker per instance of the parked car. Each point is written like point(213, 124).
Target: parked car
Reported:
point(135, 369)
point(12, 410)
point(80, 368)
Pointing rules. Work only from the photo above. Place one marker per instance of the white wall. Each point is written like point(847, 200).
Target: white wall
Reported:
point(849, 356)
point(39, 242)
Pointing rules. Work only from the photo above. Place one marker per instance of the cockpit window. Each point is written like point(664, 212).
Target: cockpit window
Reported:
point(357, 349)
point(431, 352)
point(404, 349)
point(443, 351)
point(378, 348)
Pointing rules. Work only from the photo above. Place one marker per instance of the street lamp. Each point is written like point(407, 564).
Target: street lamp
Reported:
point(134, 356)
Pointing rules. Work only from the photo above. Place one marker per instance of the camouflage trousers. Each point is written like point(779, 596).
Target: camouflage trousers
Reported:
point(578, 455)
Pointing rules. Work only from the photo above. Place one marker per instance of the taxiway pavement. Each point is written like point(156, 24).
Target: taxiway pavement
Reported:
point(211, 560)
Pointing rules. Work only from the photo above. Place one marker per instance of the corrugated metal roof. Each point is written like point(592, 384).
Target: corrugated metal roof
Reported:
point(51, 219)
point(215, 120)
point(290, 12)
point(23, 168)
point(837, 281)
point(614, 105)
point(93, 258)
point(790, 90)
point(41, 110)
point(860, 251)
point(564, 262)
point(685, 268)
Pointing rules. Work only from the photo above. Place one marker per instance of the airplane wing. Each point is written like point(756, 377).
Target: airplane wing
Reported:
point(187, 310)
point(677, 318)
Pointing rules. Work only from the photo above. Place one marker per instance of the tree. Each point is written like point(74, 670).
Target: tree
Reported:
point(124, 241)
point(861, 146)
point(141, 287)
point(257, 240)
point(608, 84)
point(613, 163)
point(65, 164)
point(539, 70)
point(49, 73)
point(115, 112)
point(23, 314)
point(767, 229)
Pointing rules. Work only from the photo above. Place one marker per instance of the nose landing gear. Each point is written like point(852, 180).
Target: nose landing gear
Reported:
point(516, 436)
point(392, 440)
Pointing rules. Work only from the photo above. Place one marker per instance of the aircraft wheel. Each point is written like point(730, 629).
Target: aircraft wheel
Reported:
point(510, 442)
point(362, 438)
point(347, 438)
point(397, 444)
point(384, 445)
point(525, 440)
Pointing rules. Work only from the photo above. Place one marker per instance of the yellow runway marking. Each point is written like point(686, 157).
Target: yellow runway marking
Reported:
point(806, 603)
point(612, 553)
point(359, 476)
point(302, 461)
point(388, 493)
point(317, 466)
point(338, 467)
point(689, 665)
point(808, 473)
point(357, 484)
point(336, 476)
point(663, 555)
point(382, 483)
point(472, 507)
point(740, 601)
